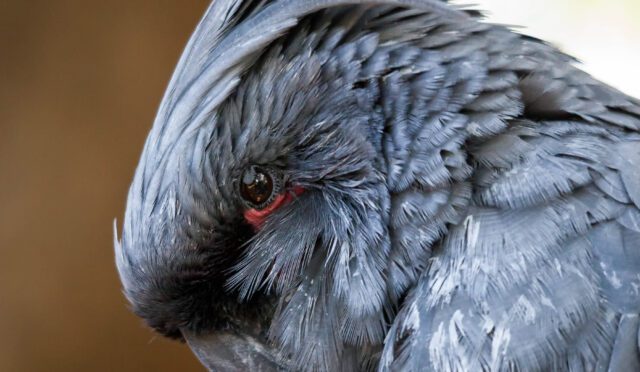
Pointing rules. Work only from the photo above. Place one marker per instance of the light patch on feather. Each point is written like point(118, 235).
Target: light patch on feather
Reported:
point(546, 301)
point(455, 336)
point(488, 325)
point(558, 266)
point(413, 318)
point(611, 275)
point(499, 345)
point(474, 129)
point(636, 288)
point(615, 281)
point(437, 342)
point(526, 309)
point(472, 228)
point(446, 341)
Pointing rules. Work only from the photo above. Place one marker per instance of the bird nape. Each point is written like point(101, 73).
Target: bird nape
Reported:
point(386, 185)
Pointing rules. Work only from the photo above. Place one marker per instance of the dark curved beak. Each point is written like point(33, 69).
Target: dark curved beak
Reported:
point(232, 352)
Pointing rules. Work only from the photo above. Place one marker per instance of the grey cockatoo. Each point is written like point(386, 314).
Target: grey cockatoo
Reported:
point(386, 184)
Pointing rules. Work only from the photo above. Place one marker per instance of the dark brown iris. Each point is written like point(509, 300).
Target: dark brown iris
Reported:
point(256, 186)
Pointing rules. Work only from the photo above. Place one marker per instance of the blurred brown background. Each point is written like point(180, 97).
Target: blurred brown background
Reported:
point(80, 82)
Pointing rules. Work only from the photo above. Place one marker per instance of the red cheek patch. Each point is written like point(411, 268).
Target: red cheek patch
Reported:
point(257, 217)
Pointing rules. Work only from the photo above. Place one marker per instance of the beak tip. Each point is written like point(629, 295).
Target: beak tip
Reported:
point(230, 352)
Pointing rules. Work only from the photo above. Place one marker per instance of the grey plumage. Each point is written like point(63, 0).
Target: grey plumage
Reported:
point(472, 199)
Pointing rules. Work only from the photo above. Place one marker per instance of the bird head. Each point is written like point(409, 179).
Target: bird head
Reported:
point(259, 209)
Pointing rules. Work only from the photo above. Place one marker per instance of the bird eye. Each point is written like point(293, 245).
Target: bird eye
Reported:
point(258, 187)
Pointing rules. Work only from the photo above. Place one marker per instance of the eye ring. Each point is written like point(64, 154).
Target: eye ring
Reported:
point(259, 186)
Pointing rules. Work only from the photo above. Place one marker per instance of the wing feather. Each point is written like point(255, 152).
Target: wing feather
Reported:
point(542, 271)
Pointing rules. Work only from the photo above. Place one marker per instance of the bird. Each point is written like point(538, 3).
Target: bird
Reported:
point(386, 185)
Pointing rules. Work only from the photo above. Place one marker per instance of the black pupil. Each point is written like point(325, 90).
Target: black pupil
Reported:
point(257, 186)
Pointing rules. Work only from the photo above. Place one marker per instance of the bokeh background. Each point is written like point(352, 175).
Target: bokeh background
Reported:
point(80, 81)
